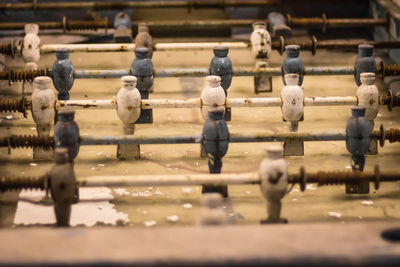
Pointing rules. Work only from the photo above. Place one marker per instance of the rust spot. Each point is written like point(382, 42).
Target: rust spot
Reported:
point(248, 101)
point(80, 105)
point(130, 108)
point(45, 106)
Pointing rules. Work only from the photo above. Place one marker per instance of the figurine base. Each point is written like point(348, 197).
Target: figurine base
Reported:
point(146, 116)
point(123, 36)
point(43, 154)
point(223, 190)
point(373, 147)
point(228, 114)
point(359, 188)
point(293, 148)
point(203, 153)
point(283, 30)
point(262, 84)
point(128, 151)
point(270, 221)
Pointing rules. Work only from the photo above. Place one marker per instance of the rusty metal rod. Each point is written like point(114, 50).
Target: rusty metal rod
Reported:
point(15, 47)
point(21, 141)
point(313, 44)
point(198, 24)
point(29, 75)
point(277, 45)
point(189, 4)
point(322, 178)
point(23, 105)
point(19, 183)
point(323, 22)
point(196, 102)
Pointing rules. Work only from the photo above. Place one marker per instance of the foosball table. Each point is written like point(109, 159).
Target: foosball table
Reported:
point(200, 132)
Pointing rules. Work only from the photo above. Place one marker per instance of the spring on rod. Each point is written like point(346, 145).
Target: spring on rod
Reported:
point(392, 135)
point(388, 70)
point(323, 178)
point(14, 105)
point(26, 75)
point(18, 183)
point(84, 25)
point(27, 141)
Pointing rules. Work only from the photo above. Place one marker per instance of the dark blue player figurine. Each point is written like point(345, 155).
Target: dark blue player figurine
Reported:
point(66, 133)
point(142, 69)
point(358, 131)
point(63, 74)
point(293, 63)
point(215, 144)
point(365, 62)
point(221, 66)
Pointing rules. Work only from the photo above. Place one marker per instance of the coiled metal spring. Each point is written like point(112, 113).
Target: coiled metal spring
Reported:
point(29, 141)
point(84, 25)
point(18, 183)
point(337, 177)
point(14, 105)
point(389, 70)
point(323, 178)
point(393, 135)
point(5, 49)
point(26, 75)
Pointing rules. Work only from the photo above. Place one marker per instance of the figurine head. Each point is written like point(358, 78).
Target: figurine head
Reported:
point(142, 27)
point(274, 152)
point(259, 25)
point(62, 53)
point(42, 82)
point(292, 50)
point(365, 50)
point(66, 115)
point(213, 80)
point(367, 78)
point(128, 82)
point(122, 19)
point(221, 51)
point(31, 28)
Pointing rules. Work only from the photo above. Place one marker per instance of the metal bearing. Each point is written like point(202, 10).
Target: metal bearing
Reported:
point(382, 136)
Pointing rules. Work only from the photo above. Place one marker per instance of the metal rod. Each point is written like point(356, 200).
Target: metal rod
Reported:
point(52, 48)
point(193, 139)
point(202, 72)
point(137, 4)
point(197, 24)
point(196, 102)
point(321, 178)
point(336, 22)
point(22, 75)
point(169, 180)
point(26, 141)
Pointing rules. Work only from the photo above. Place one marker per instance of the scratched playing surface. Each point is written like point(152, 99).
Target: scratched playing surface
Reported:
point(155, 206)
